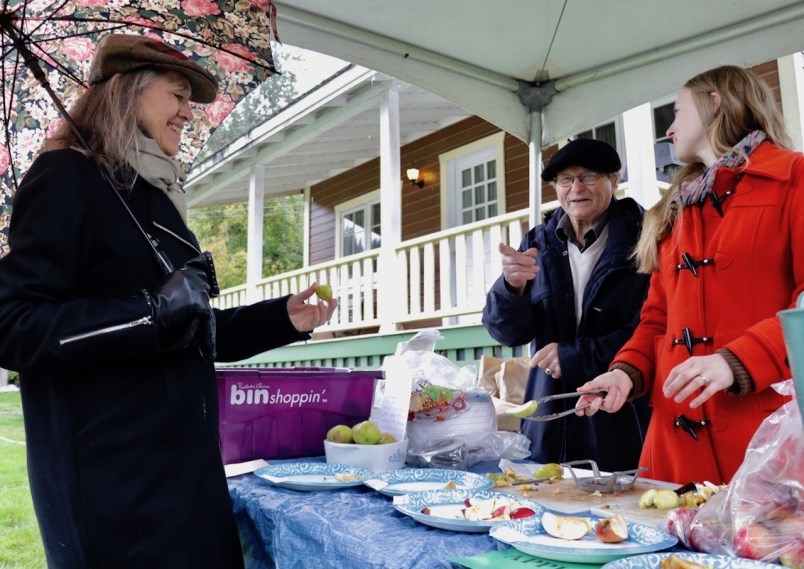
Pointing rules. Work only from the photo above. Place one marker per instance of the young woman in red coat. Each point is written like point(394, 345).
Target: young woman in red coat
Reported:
point(725, 249)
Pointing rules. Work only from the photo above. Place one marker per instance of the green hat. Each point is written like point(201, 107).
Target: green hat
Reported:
point(121, 53)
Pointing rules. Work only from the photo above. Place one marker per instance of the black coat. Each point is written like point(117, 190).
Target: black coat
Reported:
point(123, 455)
point(545, 313)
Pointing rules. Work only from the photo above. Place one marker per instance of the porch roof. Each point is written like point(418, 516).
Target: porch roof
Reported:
point(333, 128)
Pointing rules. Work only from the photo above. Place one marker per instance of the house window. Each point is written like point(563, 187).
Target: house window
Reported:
point(359, 227)
point(609, 133)
point(474, 188)
point(666, 162)
point(605, 133)
point(478, 189)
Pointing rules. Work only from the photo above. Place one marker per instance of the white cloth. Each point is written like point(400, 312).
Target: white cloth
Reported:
point(582, 264)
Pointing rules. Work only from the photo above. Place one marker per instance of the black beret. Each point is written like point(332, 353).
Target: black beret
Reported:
point(587, 152)
point(121, 53)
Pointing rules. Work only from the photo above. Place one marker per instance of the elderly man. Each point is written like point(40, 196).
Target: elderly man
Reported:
point(573, 292)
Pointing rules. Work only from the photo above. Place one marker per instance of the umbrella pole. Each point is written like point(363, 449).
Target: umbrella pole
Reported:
point(33, 65)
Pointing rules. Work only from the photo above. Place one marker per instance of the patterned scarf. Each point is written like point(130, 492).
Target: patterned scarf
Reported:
point(159, 170)
point(695, 191)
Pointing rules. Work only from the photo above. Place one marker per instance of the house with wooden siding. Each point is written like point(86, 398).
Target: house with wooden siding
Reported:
point(406, 255)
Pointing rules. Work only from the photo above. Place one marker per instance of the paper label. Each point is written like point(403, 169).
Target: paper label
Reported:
point(392, 416)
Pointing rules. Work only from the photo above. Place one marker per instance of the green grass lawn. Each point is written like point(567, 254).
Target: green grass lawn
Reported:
point(20, 544)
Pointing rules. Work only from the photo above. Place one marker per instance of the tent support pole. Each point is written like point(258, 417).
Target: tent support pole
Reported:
point(535, 98)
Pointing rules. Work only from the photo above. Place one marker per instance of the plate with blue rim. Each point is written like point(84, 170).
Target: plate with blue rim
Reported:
point(528, 536)
point(444, 507)
point(307, 476)
point(706, 559)
point(408, 480)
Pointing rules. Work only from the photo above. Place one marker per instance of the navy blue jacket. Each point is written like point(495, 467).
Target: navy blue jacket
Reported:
point(545, 313)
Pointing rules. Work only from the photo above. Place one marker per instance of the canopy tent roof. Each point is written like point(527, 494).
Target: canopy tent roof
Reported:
point(451, 59)
point(598, 58)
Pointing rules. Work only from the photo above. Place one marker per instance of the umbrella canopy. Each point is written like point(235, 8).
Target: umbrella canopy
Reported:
point(230, 39)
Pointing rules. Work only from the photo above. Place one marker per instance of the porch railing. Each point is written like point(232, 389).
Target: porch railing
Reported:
point(443, 275)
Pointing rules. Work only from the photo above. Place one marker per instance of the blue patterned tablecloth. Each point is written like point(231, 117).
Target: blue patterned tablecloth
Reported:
point(353, 528)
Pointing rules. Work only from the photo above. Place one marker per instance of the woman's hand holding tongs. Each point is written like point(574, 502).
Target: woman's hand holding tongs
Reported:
point(617, 383)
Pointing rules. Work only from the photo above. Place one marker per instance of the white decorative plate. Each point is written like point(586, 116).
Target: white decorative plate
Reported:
point(408, 480)
point(705, 559)
point(312, 475)
point(528, 536)
point(446, 503)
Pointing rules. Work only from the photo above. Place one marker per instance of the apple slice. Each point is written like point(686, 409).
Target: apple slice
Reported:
point(522, 512)
point(524, 410)
point(501, 512)
point(480, 510)
point(612, 530)
point(569, 528)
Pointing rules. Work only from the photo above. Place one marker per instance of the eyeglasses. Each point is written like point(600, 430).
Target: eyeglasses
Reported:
point(587, 179)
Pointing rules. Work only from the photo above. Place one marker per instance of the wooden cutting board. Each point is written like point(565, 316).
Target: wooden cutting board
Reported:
point(564, 496)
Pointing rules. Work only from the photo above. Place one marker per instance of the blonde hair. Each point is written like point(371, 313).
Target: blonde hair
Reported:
point(106, 115)
point(746, 105)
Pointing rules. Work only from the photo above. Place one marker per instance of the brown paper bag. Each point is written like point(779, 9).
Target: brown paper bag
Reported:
point(489, 368)
point(506, 381)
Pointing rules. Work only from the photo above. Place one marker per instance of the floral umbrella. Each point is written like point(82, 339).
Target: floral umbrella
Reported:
point(232, 39)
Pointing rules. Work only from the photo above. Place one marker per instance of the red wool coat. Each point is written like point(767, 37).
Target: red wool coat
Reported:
point(758, 252)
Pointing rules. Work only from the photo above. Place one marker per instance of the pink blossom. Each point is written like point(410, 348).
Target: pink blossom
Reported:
point(91, 3)
point(200, 8)
point(78, 49)
point(237, 60)
point(218, 110)
point(5, 159)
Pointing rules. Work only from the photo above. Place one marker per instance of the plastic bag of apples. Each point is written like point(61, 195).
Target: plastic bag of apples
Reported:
point(761, 513)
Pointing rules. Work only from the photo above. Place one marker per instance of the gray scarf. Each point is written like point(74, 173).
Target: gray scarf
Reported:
point(159, 170)
point(695, 191)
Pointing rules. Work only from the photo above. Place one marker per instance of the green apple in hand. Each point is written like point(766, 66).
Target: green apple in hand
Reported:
point(324, 291)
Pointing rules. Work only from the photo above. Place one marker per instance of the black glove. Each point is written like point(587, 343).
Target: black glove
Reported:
point(181, 311)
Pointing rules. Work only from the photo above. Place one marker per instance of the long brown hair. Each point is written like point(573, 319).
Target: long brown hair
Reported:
point(106, 115)
point(746, 105)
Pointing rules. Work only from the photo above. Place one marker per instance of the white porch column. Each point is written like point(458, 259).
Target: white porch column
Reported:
point(639, 157)
point(791, 85)
point(534, 170)
point(391, 289)
point(256, 206)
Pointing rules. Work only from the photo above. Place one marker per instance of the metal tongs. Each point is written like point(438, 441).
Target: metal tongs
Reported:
point(560, 414)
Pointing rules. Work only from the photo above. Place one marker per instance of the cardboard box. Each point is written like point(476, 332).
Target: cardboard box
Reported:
point(286, 412)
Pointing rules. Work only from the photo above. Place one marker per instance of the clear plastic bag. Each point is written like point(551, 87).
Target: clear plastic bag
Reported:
point(760, 515)
point(462, 451)
point(438, 385)
point(452, 423)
